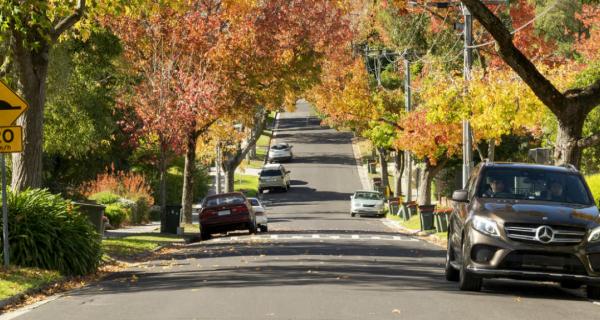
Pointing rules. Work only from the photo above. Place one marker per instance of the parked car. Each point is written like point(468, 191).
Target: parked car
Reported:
point(273, 176)
point(226, 212)
point(280, 152)
point(524, 221)
point(367, 203)
point(261, 214)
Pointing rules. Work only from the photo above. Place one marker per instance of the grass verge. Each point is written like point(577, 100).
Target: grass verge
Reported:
point(15, 281)
point(247, 184)
point(130, 246)
point(413, 223)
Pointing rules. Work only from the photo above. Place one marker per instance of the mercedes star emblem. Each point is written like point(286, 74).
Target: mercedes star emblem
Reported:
point(544, 234)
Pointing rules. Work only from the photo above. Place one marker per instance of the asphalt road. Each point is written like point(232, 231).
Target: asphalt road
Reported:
point(317, 263)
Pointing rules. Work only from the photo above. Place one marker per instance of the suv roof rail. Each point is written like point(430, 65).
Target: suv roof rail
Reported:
point(569, 166)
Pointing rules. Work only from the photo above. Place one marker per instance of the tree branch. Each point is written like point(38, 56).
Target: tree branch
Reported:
point(542, 88)
point(67, 22)
point(589, 141)
point(586, 98)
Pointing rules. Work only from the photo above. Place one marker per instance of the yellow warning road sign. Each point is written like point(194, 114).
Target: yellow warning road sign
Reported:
point(11, 105)
point(11, 139)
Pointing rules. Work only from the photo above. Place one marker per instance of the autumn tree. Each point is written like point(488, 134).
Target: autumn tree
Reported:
point(168, 47)
point(434, 143)
point(571, 107)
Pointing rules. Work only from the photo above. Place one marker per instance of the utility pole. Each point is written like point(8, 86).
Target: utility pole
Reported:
point(407, 102)
point(468, 63)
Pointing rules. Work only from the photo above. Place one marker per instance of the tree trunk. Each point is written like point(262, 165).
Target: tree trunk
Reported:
point(567, 150)
point(491, 150)
point(33, 69)
point(230, 179)
point(385, 181)
point(163, 189)
point(399, 170)
point(189, 169)
point(427, 176)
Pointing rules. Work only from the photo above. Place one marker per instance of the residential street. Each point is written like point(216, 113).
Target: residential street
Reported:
point(315, 263)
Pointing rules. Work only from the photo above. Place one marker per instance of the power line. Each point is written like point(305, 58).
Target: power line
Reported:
point(543, 13)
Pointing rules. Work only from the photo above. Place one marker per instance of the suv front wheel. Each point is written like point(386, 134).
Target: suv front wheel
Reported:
point(468, 281)
point(451, 273)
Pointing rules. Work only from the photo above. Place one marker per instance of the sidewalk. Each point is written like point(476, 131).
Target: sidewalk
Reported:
point(152, 227)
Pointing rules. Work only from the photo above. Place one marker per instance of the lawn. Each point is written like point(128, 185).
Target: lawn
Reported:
point(14, 281)
point(246, 183)
point(134, 245)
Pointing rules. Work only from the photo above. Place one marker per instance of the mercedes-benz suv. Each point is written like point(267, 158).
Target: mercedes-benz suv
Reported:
point(524, 221)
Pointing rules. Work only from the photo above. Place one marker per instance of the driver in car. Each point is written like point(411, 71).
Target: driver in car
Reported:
point(496, 187)
point(555, 191)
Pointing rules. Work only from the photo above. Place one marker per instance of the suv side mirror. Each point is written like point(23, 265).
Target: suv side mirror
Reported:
point(460, 196)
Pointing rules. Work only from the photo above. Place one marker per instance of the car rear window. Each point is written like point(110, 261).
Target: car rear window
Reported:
point(534, 184)
point(224, 200)
point(270, 173)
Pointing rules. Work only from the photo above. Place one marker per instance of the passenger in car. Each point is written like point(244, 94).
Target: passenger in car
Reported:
point(555, 191)
point(496, 186)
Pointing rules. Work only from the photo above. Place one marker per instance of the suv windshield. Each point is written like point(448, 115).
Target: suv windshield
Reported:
point(367, 195)
point(533, 184)
point(279, 147)
point(270, 173)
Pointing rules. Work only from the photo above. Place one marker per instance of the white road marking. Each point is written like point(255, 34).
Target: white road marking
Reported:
point(337, 237)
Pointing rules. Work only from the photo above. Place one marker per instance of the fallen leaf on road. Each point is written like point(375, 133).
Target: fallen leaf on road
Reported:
point(396, 311)
point(518, 299)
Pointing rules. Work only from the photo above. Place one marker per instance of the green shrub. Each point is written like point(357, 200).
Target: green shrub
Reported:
point(142, 210)
point(594, 183)
point(47, 232)
point(105, 197)
point(117, 214)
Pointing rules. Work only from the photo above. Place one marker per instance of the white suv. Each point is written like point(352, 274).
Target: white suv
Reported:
point(273, 176)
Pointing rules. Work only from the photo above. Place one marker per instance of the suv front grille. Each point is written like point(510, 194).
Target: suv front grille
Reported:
point(543, 261)
point(562, 235)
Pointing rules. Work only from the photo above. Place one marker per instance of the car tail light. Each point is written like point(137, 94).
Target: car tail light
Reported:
point(239, 209)
point(208, 213)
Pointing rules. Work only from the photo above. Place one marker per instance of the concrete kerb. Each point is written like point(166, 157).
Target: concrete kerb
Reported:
point(362, 170)
point(428, 237)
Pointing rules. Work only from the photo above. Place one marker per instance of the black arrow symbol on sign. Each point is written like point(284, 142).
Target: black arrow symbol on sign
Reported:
point(6, 106)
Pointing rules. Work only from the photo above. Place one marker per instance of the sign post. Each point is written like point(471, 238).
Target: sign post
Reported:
point(11, 140)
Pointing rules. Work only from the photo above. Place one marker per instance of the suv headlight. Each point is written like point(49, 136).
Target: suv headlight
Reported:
point(486, 226)
point(594, 235)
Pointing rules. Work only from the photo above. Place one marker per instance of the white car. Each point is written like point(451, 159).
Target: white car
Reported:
point(365, 203)
point(280, 152)
point(261, 214)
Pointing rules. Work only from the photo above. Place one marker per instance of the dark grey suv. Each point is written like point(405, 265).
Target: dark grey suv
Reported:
point(524, 221)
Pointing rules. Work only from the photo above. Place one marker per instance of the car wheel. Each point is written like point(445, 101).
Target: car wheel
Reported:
point(205, 235)
point(467, 280)
point(352, 214)
point(260, 191)
point(571, 284)
point(264, 228)
point(252, 228)
point(451, 273)
point(593, 292)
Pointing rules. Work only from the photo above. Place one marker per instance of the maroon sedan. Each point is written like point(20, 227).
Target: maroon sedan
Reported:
point(226, 212)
